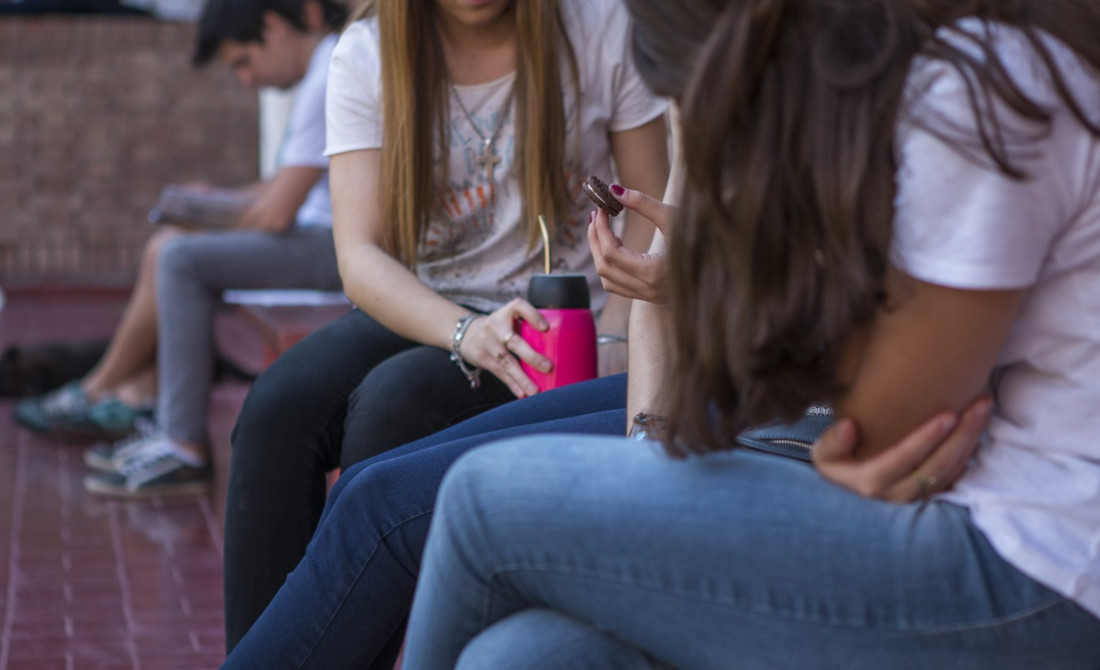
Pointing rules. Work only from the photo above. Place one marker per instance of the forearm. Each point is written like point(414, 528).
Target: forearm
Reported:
point(396, 298)
point(932, 350)
point(649, 359)
point(275, 203)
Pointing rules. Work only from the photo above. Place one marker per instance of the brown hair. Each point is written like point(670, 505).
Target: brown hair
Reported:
point(789, 122)
point(416, 107)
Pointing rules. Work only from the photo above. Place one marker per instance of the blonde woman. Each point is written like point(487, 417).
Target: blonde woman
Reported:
point(452, 125)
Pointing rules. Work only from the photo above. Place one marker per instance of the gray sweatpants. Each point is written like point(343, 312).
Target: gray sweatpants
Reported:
point(192, 272)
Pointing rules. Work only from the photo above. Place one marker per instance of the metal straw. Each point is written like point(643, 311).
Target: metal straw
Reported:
point(545, 243)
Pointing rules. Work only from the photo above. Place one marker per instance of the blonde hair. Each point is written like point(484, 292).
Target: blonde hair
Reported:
point(416, 108)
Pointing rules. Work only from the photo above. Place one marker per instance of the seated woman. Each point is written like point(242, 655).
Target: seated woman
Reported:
point(345, 604)
point(451, 127)
point(890, 204)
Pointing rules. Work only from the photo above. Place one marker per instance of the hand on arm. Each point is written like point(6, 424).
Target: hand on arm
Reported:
point(274, 207)
point(911, 381)
point(928, 460)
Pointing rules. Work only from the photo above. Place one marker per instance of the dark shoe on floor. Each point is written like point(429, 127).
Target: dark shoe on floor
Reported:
point(109, 456)
point(42, 412)
point(156, 468)
point(69, 411)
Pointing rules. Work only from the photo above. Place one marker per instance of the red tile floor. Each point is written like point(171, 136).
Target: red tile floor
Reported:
point(88, 583)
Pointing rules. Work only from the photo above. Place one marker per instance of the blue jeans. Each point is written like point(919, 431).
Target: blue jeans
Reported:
point(733, 560)
point(345, 604)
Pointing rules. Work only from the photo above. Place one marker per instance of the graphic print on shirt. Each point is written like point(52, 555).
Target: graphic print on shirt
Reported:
point(469, 203)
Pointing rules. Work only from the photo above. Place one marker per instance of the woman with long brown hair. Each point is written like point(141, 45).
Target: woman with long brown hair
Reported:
point(453, 125)
point(892, 205)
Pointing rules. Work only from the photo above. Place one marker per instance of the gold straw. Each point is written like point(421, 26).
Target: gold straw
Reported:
point(545, 243)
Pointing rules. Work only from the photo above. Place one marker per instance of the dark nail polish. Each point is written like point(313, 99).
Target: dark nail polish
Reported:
point(617, 190)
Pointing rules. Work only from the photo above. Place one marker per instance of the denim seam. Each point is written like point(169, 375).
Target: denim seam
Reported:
point(750, 608)
point(358, 576)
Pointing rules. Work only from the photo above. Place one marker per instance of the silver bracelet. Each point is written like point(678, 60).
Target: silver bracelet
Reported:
point(472, 372)
point(608, 339)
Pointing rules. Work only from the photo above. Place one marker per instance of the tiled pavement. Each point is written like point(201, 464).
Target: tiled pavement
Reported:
point(88, 583)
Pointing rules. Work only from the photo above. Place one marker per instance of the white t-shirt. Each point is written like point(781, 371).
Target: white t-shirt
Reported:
point(476, 254)
point(304, 142)
point(1034, 490)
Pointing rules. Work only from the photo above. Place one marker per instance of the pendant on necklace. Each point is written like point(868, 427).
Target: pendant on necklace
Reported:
point(488, 160)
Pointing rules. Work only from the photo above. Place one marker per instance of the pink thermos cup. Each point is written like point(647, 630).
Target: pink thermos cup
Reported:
point(570, 342)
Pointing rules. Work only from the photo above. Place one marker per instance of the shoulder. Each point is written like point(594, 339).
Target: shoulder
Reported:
point(358, 44)
point(355, 68)
point(596, 25)
point(939, 86)
point(317, 72)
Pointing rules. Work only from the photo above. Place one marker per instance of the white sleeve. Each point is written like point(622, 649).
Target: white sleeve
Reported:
point(354, 101)
point(633, 104)
point(960, 222)
point(304, 142)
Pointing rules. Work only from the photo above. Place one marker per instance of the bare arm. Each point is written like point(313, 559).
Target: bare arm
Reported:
point(641, 158)
point(649, 351)
point(932, 351)
point(277, 200)
point(395, 296)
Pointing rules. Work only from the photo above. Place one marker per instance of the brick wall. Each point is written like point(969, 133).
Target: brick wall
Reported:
point(96, 113)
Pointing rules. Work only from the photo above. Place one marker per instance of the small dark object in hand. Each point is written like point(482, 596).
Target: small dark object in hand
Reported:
point(598, 191)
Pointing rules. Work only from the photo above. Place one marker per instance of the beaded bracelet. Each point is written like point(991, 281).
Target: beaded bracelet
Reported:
point(472, 372)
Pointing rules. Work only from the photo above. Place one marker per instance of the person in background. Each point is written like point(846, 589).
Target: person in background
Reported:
point(892, 205)
point(282, 239)
point(452, 126)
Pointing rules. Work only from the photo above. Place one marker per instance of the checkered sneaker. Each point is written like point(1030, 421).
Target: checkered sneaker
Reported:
point(158, 468)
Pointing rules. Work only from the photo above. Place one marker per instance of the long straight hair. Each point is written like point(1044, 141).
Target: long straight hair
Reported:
point(416, 106)
point(789, 122)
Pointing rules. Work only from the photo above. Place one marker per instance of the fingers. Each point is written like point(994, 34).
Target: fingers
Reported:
point(521, 309)
point(660, 213)
point(928, 460)
point(506, 367)
point(953, 454)
point(623, 271)
point(494, 346)
point(900, 460)
point(837, 443)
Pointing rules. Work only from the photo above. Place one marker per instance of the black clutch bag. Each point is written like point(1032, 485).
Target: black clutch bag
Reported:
point(793, 440)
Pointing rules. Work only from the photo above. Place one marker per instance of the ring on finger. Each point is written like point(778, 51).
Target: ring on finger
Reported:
point(507, 340)
point(926, 482)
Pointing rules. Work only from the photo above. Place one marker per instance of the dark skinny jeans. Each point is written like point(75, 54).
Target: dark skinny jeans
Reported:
point(345, 604)
point(349, 391)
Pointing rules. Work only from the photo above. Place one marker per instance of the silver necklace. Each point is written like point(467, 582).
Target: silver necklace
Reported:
point(488, 159)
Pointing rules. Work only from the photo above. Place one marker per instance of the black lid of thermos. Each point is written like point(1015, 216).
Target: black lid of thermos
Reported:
point(559, 292)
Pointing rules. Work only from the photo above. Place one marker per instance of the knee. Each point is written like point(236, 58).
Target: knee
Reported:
point(380, 488)
point(386, 410)
point(382, 503)
point(274, 412)
point(175, 258)
point(541, 638)
point(390, 392)
point(479, 479)
point(151, 254)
